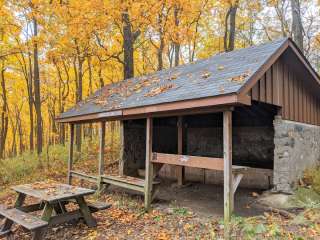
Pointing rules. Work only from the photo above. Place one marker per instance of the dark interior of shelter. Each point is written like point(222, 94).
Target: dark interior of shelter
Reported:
point(252, 137)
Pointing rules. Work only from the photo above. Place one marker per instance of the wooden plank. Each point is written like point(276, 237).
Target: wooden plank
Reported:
point(304, 93)
point(85, 211)
point(121, 161)
point(189, 161)
point(269, 86)
point(296, 98)
point(291, 96)
point(52, 193)
point(308, 106)
point(102, 137)
point(255, 92)
point(84, 176)
point(66, 217)
point(236, 181)
point(8, 222)
point(47, 212)
point(126, 179)
point(149, 166)
point(126, 185)
point(180, 169)
point(227, 154)
point(275, 84)
point(286, 92)
point(189, 104)
point(70, 159)
point(26, 220)
point(91, 117)
point(183, 112)
point(300, 100)
point(263, 88)
point(281, 83)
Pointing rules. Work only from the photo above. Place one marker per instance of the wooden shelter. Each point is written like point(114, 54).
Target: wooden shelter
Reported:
point(246, 88)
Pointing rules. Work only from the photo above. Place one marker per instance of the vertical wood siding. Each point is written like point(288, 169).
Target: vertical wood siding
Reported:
point(280, 86)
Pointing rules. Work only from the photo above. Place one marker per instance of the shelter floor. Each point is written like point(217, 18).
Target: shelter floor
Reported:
point(203, 199)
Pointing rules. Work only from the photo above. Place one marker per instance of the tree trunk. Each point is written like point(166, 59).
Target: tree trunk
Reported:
point(230, 27)
point(4, 115)
point(79, 86)
point(176, 42)
point(37, 98)
point(159, 53)
point(30, 102)
point(297, 28)
point(128, 41)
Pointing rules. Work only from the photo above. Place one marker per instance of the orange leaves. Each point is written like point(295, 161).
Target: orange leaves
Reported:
point(240, 78)
point(158, 90)
point(205, 74)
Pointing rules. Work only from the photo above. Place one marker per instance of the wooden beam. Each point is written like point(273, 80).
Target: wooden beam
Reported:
point(162, 108)
point(121, 161)
point(102, 136)
point(236, 181)
point(183, 112)
point(227, 155)
point(91, 117)
point(70, 159)
point(230, 99)
point(180, 169)
point(188, 161)
point(149, 166)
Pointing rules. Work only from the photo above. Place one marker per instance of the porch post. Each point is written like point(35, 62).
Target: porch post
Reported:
point(227, 155)
point(180, 169)
point(121, 160)
point(102, 134)
point(70, 159)
point(149, 166)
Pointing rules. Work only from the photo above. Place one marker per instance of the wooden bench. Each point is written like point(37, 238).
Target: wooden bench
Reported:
point(26, 220)
point(128, 182)
point(200, 162)
point(98, 206)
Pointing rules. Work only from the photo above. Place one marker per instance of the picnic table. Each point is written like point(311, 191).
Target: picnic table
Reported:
point(53, 198)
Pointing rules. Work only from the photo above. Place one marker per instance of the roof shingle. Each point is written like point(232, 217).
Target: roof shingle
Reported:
point(221, 74)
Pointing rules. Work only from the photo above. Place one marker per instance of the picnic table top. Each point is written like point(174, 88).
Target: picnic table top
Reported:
point(52, 192)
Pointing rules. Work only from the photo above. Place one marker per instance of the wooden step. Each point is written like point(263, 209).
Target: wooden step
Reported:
point(26, 220)
point(98, 206)
point(128, 182)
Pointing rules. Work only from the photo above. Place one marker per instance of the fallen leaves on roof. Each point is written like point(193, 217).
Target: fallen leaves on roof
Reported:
point(206, 74)
point(221, 89)
point(220, 68)
point(101, 102)
point(158, 90)
point(240, 78)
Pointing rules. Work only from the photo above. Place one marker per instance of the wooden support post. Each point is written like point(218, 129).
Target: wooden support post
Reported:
point(180, 169)
point(102, 134)
point(227, 155)
point(121, 160)
point(149, 165)
point(70, 159)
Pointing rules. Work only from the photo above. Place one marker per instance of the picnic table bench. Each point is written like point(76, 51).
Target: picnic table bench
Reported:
point(53, 200)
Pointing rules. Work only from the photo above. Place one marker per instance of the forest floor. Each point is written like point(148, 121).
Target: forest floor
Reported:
point(191, 212)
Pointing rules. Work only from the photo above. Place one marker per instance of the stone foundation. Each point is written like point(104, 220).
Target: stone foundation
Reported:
point(297, 147)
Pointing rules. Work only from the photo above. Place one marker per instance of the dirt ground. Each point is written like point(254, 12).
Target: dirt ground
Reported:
point(207, 200)
point(193, 211)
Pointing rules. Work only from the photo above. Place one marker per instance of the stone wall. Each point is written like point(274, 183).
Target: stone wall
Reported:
point(297, 147)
